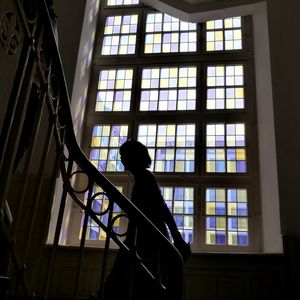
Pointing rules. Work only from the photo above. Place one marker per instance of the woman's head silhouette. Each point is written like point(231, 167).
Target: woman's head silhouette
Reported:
point(134, 155)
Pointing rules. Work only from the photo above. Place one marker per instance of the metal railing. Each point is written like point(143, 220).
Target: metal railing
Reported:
point(47, 75)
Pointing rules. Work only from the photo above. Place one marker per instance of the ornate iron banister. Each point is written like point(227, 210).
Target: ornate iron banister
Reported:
point(74, 162)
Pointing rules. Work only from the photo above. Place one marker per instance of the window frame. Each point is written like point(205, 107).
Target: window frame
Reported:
point(200, 178)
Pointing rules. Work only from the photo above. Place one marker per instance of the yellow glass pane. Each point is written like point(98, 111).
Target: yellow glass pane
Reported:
point(210, 166)
point(192, 72)
point(218, 35)
point(210, 238)
point(120, 84)
point(188, 222)
point(243, 224)
point(231, 166)
point(220, 154)
point(114, 141)
point(231, 209)
point(173, 72)
point(210, 208)
point(148, 49)
point(220, 223)
point(232, 238)
point(220, 195)
point(159, 166)
point(210, 25)
point(239, 70)
point(239, 92)
point(164, 82)
point(183, 82)
point(157, 38)
point(242, 195)
point(132, 40)
point(228, 23)
point(105, 130)
point(95, 142)
point(122, 49)
point(171, 130)
point(111, 166)
point(170, 154)
point(103, 154)
point(111, 74)
point(125, 28)
point(228, 45)
point(134, 19)
point(190, 154)
point(237, 34)
point(210, 46)
point(178, 207)
point(220, 71)
point(179, 166)
point(240, 154)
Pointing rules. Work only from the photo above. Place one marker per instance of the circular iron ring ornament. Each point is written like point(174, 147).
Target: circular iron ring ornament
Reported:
point(9, 33)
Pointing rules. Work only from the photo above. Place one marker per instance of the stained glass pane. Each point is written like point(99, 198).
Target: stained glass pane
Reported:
point(100, 205)
point(225, 148)
point(180, 201)
point(120, 35)
point(114, 90)
point(224, 34)
point(226, 216)
point(106, 140)
point(171, 146)
point(225, 87)
point(172, 88)
point(166, 34)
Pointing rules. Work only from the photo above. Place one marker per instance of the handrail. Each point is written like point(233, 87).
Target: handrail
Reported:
point(75, 161)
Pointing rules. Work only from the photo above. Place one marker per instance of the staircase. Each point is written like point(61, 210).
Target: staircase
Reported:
point(37, 145)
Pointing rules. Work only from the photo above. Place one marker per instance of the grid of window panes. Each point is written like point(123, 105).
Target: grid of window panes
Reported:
point(225, 87)
point(122, 2)
point(99, 206)
point(166, 34)
point(225, 148)
point(171, 146)
point(105, 144)
point(120, 35)
point(180, 201)
point(188, 109)
point(226, 213)
point(224, 34)
point(114, 90)
point(168, 88)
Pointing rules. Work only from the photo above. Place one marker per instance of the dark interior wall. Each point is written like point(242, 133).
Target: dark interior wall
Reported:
point(70, 18)
point(284, 32)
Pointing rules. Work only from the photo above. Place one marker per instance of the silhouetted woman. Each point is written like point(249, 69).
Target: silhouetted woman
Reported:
point(146, 195)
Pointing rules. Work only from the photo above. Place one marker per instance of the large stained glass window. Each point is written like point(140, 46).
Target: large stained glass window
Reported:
point(114, 90)
point(166, 34)
point(226, 211)
point(180, 201)
point(105, 144)
point(171, 146)
point(168, 88)
point(186, 91)
point(224, 34)
point(120, 35)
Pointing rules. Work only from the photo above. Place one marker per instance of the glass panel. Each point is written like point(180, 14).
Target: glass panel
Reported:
point(106, 140)
point(180, 201)
point(166, 89)
point(166, 34)
point(120, 35)
point(171, 146)
point(225, 148)
point(100, 205)
point(224, 34)
point(225, 87)
point(226, 216)
point(122, 2)
point(114, 90)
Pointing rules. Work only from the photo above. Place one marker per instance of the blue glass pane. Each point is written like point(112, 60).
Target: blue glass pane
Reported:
point(220, 238)
point(242, 238)
point(179, 194)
